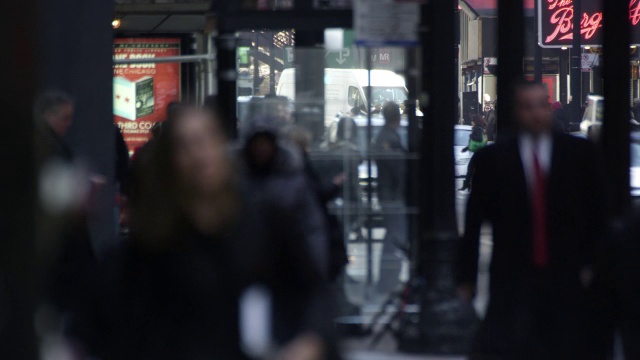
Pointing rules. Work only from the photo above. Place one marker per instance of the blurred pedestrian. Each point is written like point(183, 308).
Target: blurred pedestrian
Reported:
point(66, 259)
point(142, 157)
point(201, 236)
point(275, 168)
point(492, 123)
point(545, 230)
point(560, 121)
point(391, 193)
point(173, 109)
point(342, 156)
point(624, 268)
point(477, 142)
point(346, 158)
point(325, 192)
point(345, 149)
point(274, 172)
point(53, 112)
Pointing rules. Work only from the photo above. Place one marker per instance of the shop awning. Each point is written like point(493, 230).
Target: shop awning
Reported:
point(162, 18)
point(490, 7)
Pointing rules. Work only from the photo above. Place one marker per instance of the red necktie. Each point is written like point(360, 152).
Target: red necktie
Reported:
point(539, 215)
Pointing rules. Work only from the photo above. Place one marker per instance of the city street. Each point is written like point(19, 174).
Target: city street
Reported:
point(358, 348)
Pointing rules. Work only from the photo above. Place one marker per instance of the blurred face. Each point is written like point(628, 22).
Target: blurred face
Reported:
point(200, 155)
point(532, 110)
point(395, 123)
point(262, 150)
point(60, 119)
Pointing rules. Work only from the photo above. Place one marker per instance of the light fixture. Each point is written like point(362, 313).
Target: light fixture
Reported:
point(633, 46)
point(564, 48)
point(587, 47)
point(116, 23)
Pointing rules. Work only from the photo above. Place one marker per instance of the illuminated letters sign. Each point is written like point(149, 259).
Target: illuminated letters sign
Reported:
point(556, 22)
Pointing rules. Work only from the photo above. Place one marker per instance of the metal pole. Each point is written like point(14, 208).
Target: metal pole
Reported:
point(256, 65)
point(211, 64)
point(202, 79)
point(413, 178)
point(227, 75)
point(444, 323)
point(563, 70)
point(537, 50)
point(272, 62)
point(18, 189)
point(576, 65)
point(198, 84)
point(615, 132)
point(510, 54)
point(482, 79)
point(168, 59)
point(369, 177)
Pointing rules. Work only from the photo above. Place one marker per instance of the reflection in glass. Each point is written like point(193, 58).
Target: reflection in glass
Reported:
point(382, 94)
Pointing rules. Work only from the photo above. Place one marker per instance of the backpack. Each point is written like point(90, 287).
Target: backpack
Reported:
point(475, 146)
point(477, 139)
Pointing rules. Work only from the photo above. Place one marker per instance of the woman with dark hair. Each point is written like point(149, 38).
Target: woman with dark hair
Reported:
point(170, 291)
point(200, 237)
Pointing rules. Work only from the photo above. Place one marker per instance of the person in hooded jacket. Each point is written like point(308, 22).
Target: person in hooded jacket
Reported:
point(560, 122)
point(275, 169)
point(275, 174)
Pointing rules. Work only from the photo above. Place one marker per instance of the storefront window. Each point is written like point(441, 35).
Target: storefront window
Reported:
point(326, 92)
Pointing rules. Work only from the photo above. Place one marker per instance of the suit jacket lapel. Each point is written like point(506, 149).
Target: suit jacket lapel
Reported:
point(520, 178)
point(554, 168)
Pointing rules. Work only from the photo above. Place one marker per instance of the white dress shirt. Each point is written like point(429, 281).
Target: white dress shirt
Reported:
point(543, 145)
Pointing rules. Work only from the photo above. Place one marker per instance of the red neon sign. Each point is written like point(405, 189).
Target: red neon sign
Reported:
point(556, 22)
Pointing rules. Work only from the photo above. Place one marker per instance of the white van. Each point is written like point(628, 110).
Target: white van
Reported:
point(346, 89)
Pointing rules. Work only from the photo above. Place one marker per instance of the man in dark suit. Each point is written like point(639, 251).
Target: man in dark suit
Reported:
point(542, 193)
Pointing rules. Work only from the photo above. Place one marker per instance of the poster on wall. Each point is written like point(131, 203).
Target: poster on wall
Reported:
point(141, 92)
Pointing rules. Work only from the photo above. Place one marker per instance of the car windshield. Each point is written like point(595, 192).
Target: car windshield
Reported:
point(362, 137)
point(461, 137)
point(635, 154)
point(382, 94)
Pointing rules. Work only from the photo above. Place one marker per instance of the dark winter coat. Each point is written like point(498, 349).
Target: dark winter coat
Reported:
point(183, 301)
point(325, 192)
point(391, 165)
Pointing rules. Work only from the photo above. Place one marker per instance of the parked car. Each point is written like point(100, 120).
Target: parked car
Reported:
point(634, 168)
point(635, 163)
point(594, 114)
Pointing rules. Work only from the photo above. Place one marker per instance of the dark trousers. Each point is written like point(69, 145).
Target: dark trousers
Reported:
point(471, 170)
point(395, 223)
point(544, 319)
